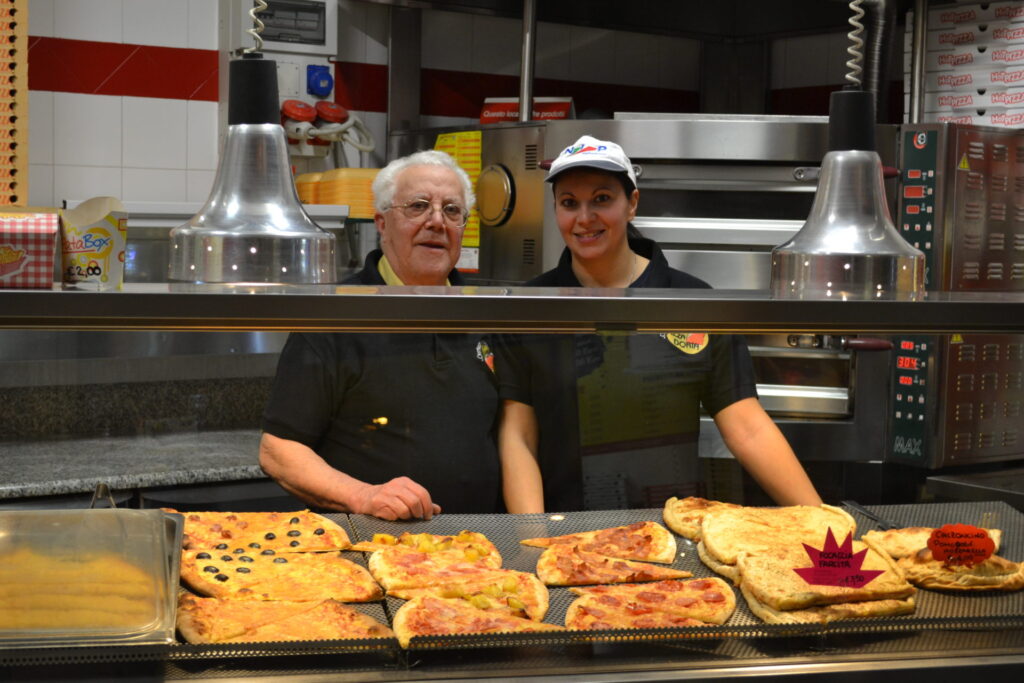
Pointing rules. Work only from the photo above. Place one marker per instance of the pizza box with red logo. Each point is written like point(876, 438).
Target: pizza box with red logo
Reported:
point(28, 243)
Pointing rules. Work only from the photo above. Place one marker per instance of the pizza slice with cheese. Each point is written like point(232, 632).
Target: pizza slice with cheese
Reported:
point(708, 600)
point(397, 567)
point(300, 531)
point(432, 616)
point(506, 590)
point(567, 565)
point(428, 543)
point(645, 541)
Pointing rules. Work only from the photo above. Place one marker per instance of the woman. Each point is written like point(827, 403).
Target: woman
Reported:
point(548, 383)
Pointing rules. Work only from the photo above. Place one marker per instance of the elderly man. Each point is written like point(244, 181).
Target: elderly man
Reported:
point(393, 425)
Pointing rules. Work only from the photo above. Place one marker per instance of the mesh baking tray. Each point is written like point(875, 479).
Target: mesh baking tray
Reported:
point(935, 610)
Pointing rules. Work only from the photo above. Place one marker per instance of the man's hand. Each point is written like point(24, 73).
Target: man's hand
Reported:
point(400, 498)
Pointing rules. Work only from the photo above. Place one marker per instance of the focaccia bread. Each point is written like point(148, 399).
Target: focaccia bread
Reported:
point(429, 615)
point(269, 576)
point(212, 620)
point(300, 531)
point(567, 565)
point(517, 593)
point(770, 577)
point(994, 574)
point(684, 515)
point(725, 533)
point(900, 543)
point(706, 600)
point(825, 613)
point(644, 541)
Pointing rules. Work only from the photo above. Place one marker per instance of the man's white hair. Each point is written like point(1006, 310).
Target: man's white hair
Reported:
point(384, 183)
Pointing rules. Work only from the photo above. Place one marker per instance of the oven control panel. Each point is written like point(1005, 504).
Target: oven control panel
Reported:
point(917, 209)
point(913, 356)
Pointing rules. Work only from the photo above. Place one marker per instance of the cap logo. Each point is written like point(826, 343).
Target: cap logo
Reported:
point(579, 149)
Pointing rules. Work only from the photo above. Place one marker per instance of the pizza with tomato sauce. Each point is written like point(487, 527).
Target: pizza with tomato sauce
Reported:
point(400, 566)
point(432, 616)
point(708, 600)
point(567, 565)
point(470, 541)
point(645, 541)
point(301, 531)
point(506, 590)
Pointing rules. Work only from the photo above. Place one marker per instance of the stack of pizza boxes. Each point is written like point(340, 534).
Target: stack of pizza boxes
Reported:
point(28, 244)
point(974, 64)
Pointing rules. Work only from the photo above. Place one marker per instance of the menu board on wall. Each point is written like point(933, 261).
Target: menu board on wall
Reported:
point(13, 102)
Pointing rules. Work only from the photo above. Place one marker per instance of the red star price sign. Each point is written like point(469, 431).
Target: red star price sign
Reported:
point(961, 544)
point(837, 564)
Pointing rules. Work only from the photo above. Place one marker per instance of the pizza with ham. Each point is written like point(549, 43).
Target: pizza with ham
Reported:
point(267, 575)
point(403, 567)
point(567, 565)
point(709, 601)
point(506, 590)
point(212, 620)
point(645, 541)
point(432, 616)
point(684, 515)
point(301, 531)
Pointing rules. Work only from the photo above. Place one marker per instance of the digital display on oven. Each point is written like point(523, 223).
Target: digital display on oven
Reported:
point(906, 362)
point(906, 379)
point(907, 345)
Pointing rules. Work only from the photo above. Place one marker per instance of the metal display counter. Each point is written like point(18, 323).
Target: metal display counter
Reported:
point(938, 654)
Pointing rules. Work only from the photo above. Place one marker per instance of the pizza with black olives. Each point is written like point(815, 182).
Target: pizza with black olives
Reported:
point(240, 572)
point(301, 531)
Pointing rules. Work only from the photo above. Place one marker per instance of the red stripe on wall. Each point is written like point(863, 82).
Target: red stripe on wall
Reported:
point(97, 68)
point(363, 87)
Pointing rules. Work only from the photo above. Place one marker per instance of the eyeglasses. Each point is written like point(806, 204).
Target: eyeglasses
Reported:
point(454, 215)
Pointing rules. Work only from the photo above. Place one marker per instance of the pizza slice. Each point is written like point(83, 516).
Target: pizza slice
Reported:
point(646, 541)
point(402, 567)
point(708, 600)
point(506, 590)
point(271, 576)
point(900, 543)
point(587, 613)
point(994, 574)
point(212, 620)
point(432, 616)
point(824, 614)
point(301, 531)
point(771, 577)
point(684, 515)
point(567, 565)
point(471, 541)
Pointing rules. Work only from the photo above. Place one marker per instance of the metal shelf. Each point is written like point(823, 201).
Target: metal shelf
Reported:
point(416, 309)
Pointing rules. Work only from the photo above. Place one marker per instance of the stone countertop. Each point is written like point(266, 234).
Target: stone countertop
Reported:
point(49, 468)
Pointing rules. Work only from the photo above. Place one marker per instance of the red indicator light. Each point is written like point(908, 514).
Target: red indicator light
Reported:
point(913, 191)
point(907, 345)
point(913, 208)
point(906, 380)
point(906, 362)
point(914, 174)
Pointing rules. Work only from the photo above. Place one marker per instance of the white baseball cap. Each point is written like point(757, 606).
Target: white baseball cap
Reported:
point(593, 153)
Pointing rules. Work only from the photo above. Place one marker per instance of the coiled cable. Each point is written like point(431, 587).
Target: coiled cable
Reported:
point(856, 48)
point(258, 26)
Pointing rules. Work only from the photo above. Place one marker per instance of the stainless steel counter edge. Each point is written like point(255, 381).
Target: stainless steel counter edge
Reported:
point(449, 309)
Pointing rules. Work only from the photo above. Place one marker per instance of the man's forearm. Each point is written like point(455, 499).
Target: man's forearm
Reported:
point(303, 473)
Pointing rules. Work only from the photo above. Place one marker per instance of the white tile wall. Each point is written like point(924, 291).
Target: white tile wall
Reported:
point(156, 22)
point(198, 185)
point(497, 45)
point(75, 183)
point(87, 129)
point(153, 185)
point(154, 133)
point(92, 20)
point(40, 185)
point(445, 41)
point(40, 128)
point(40, 18)
point(362, 32)
point(202, 136)
point(202, 24)
point(553, 50)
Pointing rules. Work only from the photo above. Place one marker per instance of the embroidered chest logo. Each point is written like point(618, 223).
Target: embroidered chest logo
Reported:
point(484, 353)
point(688, 342)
